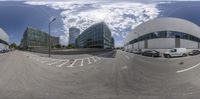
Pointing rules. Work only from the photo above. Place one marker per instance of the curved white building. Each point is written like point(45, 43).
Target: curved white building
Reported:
point(4, 39)
point(164, 33)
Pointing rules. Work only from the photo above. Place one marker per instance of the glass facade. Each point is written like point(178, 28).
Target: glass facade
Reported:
point(35, 38)
point(73, 34)
point(3, 42)
point(165, 34)
point(96, 36)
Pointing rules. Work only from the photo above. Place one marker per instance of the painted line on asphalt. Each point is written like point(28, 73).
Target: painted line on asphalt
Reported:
point(98, 57)
point(89, 62)
point(180, 71)
point(127, 57)
point(3, 54)
point(72, 65)
point(56, 62)
point(81, 62)
point(94, 59)
point(63, 64)
point(51, 60)
point(124, 67)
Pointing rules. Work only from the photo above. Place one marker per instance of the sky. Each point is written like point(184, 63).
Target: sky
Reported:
point(121, 16)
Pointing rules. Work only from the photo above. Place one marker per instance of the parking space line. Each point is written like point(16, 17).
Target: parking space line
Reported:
point(98, 57)
point(127, 57)
point(89, 62)
point(56, 62)
point(46, 60)
point(72, 65)
point(51, 60)
point(81, 62)
point(180, 71)
point(63, 64)
point(94, 59)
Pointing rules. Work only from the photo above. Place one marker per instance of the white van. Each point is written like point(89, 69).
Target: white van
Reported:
point(175, 52)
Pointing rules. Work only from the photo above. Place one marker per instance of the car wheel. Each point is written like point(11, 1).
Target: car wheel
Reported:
point(167, 56)
point(184, 55)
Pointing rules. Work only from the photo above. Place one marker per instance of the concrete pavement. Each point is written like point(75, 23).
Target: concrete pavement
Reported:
point(117, 75)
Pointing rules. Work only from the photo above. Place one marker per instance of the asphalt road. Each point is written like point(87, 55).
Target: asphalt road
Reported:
point(114, 75)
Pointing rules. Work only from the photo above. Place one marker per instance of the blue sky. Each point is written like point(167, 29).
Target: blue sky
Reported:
point(121, 16)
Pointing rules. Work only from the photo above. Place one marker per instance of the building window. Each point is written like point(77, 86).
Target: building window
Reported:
point(165, 34)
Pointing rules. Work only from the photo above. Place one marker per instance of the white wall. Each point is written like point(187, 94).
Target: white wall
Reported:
point(2, 46)
point(161, 43)
point(141, 44)
point(189, 44)
point(164, 44)
point(135, 45)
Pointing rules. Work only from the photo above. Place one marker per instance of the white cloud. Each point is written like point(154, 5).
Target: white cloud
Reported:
point(121, 17)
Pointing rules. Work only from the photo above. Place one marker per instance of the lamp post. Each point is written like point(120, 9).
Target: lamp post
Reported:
point(137, 38)
point(52, 20)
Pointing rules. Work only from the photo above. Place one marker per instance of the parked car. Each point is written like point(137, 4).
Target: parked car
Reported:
point(151, 53)
point(176, 52)
point(4, 51)
point(139, 51)
point(194, 52)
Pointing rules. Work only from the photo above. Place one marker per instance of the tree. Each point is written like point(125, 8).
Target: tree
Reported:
point(13, 46)
point(70, 46)
point(58, 46)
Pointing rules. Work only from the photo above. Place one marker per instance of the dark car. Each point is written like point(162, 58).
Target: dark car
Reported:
point(4, 51)
point(194, 52)
point(151, 53)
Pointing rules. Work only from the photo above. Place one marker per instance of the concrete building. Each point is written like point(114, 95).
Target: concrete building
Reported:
point(73, 34)
point(34, 38)
point(4, 39)
point(164, 33)
point(96, 36)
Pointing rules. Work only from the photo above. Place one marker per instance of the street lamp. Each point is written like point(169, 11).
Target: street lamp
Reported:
point(52, 20)
point(137, 38)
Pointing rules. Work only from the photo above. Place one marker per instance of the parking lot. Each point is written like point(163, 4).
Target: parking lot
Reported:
point(114, 75)
point(170, 53)
point(63, 62)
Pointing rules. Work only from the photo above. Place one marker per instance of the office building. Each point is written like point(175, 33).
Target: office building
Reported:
point(34, 38)
point(164, 33)
point(4, 39)
point(96, 36)
point(73, 34)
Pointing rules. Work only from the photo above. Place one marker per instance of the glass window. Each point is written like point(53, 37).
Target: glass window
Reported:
point(165, 34)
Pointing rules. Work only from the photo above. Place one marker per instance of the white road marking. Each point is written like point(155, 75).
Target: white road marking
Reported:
point(56, 62)
point(3, 54)
point(94, 59)
point(89, 62)
point(124, 67)
point(98, 57)
point(51, 60)
point(46, 60)
point(81, 62)
point(63, 64)
point(180, 71)
point(72, 65)
point(127, 57)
